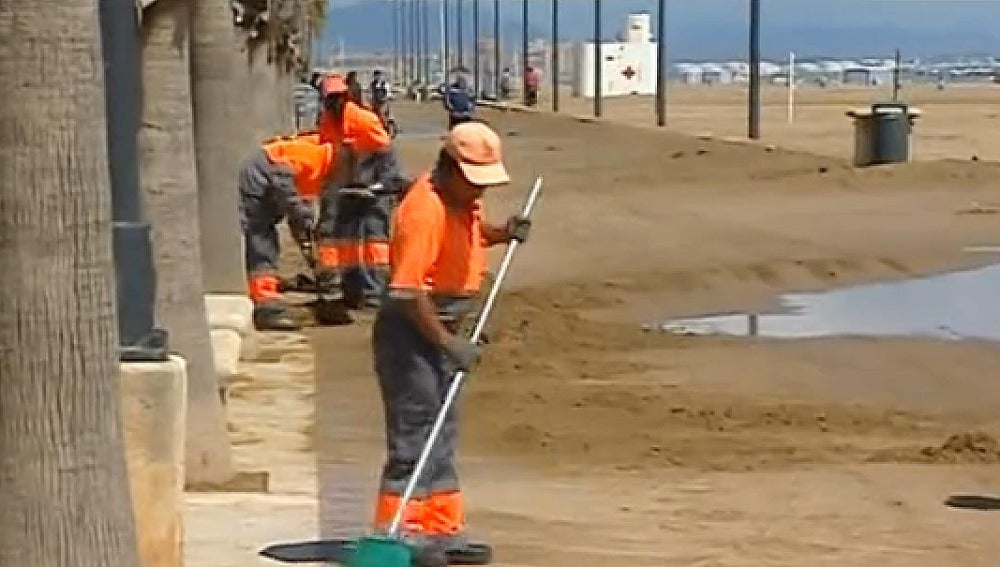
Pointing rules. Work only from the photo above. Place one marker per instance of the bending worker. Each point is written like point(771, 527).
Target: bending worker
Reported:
point(438, 262)
point(354, 225)
point(281, 180)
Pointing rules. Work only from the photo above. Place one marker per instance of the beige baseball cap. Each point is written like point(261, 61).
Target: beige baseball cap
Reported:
point(477, 150)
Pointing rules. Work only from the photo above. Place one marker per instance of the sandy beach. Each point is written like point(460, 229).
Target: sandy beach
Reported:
point(590, 441)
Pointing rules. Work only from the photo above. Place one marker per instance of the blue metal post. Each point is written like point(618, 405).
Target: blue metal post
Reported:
point(598, 60)
point(138, 337)
point(555, 55)
point(475, 48)
point(661, 64)
point(753, 128)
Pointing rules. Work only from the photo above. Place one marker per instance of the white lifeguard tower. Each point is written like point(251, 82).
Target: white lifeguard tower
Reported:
point(629, 67)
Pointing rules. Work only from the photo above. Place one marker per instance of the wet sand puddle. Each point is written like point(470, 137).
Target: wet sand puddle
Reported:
point(951, 306)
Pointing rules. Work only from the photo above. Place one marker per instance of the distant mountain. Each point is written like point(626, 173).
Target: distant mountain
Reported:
point(713, 29)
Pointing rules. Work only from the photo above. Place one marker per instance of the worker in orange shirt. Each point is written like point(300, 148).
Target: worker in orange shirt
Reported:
point(438, 259)
point(354, 224)
point(281, 180)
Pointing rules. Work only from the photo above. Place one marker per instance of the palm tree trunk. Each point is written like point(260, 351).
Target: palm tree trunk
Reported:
point(222, 138)
point(169, 182)
point(269, 113)
point(65, 496)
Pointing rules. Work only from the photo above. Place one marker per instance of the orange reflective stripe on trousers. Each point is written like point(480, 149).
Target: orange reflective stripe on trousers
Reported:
point(264, 288)
point(385, 511)
point(327, 256)
point(354, 253)
point(444, 514)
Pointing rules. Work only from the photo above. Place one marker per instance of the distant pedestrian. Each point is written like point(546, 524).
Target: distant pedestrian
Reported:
point(532, 82)
point(505, 86)
point(459, 102)
point(355, 93)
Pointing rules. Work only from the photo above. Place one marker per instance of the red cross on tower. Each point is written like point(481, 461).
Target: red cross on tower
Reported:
point(629, 72)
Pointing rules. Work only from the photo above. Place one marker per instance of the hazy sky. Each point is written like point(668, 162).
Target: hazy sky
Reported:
point(943, 15)
point(711, 28)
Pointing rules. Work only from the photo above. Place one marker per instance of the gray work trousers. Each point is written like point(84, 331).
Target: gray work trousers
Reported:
point(413, 376)
point(361, 225)
point(267, 195)
point(358, 224)
point(260, 211)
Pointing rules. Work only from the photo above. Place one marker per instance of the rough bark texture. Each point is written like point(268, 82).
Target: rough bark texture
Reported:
point(63, 483)
point(271, 99)
point(222, 138)
point(286, 99)
point(169, 182)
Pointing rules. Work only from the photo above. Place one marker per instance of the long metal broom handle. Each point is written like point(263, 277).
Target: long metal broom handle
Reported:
point(456, 382)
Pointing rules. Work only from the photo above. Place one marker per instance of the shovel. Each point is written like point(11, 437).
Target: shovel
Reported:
point(389, 550)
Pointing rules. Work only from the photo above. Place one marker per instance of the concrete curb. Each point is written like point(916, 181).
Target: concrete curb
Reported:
point(154, 414)
point(230, 321)
point(230, 314)
point(514, 107)
point(230, 311)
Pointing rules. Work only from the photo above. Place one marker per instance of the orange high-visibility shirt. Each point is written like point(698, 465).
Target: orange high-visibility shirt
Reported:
point(310, 161)
point(360, 128)
point(434, 248)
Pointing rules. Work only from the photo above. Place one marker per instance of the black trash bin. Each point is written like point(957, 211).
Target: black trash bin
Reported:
point(882, 133)
point(890, 133)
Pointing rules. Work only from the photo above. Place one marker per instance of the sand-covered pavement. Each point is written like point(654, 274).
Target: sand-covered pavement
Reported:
point(588, 441)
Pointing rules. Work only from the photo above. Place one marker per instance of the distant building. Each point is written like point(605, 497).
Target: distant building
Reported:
point(713, 74)
point(866, 76)
point(689, 73)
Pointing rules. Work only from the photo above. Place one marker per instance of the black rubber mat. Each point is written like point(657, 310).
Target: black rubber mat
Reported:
point(974, 502)
point(320, 551)
point(342, 551)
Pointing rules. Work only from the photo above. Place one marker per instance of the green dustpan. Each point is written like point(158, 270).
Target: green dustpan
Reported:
point(381, 551)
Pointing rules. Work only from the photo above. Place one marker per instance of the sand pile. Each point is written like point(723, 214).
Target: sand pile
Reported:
point(962, 448)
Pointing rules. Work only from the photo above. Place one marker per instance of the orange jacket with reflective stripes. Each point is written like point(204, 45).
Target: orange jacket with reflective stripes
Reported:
point(359, 127)
point(310, 161)
point(436, 249)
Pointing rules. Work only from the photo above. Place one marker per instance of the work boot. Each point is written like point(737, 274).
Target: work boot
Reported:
point(330, 308)
point(358, 301)
point(461, 551)
point(274, 317)
point(427, 553)
point(354, 299)
point(332, 312)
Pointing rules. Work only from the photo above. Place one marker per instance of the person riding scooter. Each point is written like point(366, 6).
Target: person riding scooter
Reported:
point(459, 102)
point(381, 93)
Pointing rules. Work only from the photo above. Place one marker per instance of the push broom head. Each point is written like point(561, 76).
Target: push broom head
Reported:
point(382, 551)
